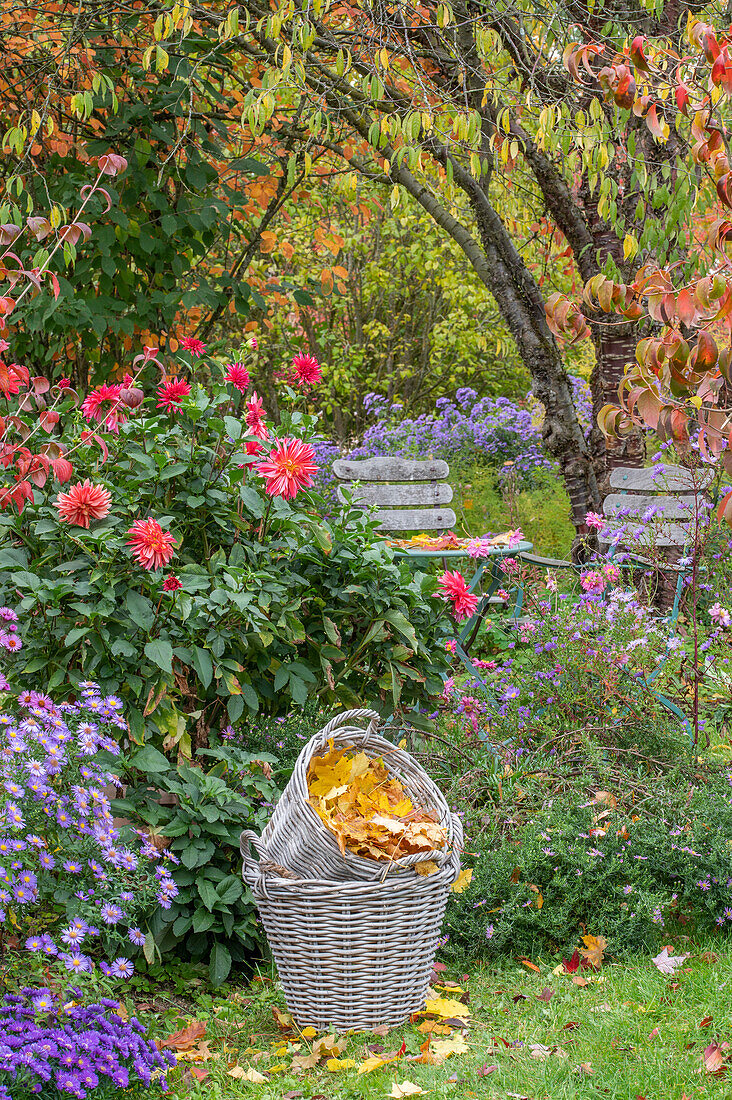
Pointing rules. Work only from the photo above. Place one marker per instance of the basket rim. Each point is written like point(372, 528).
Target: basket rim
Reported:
point(399, 762)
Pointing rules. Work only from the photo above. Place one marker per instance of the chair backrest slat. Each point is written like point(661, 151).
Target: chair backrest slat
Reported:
point(407, 494)
point(659, 479)
point(410, 493)
point(385, 468)
point(679, 509)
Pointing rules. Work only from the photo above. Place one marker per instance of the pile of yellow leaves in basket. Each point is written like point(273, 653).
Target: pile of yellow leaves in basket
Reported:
point(368, 811)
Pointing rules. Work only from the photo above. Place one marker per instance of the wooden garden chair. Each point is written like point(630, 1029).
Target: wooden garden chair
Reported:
point(414, 495)
point(670, 491)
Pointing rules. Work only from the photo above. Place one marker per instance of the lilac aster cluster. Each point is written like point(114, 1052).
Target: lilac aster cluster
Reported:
point(58, 839)
point(496, 432)
point(51, 1046)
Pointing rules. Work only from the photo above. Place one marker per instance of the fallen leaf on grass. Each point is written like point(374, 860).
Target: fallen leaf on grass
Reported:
point(713, 1058)
point(382, 1030)
point(283, 1020)
point(666, 963)
point(200, 1053)
point(434, 1027)
point(309, 1032)
point(538, 1050)
point(405, 1088)
point(709, 957)
point(329, 1046)
point(485, 1071)
point(340, 1065)
point(439, 1050)
point(585, 1068)
point(448, 1009)
point(579, 980)
point(594, 950)
point(531, 966)
point(546, 994)
point(706, 1021)
point(185, 1038)
point(199, 1073)
point(376, 1061)
point(248, 1074)
point(462, 882)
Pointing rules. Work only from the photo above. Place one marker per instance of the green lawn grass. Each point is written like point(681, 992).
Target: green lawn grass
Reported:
point(631, 1032)
point(542, 513)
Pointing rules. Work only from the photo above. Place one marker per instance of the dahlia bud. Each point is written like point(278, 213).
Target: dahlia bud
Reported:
point(132, 397)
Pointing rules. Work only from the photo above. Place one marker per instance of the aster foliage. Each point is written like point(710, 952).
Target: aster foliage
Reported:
point(72, 884)
point(56, 1048)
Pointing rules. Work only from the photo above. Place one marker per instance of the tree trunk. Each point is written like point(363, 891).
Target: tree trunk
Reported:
point(613, 349)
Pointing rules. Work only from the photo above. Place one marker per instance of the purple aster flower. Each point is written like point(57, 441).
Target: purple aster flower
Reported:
point(136, 937)
point(111, 913)
point(122, 968)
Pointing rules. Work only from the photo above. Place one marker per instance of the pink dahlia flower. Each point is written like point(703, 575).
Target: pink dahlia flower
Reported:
point(455, 588)
point(103, 405)
point(289, 468)
point(152, 546)
point(83, 501)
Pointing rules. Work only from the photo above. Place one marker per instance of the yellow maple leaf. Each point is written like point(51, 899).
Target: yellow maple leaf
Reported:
point(441, 1049)
point(426, 867)
point(247, 1074)
point(405, 1088)
point(462, 882)
point(448, 1009)
point(309, 1032)
point(375, 1062)
point(594, 949)
point(339, 1065)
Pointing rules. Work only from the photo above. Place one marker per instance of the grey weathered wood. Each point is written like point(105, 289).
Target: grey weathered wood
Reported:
point(385, 468)
point(673, 479)
point(545, 563)
point(670, 534)
point(679, 508)
point(404, 494)
point(416, 519)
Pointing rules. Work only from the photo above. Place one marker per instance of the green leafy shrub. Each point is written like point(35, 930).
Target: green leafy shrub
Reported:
point(266, 603)
point(588, 863)
point(212, 919)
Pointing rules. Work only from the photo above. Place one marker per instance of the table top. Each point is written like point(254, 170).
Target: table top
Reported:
point(493, 552)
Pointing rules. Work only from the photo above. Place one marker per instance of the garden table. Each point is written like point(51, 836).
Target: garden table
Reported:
point(496, 580)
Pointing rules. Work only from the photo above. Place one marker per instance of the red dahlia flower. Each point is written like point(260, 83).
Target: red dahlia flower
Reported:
point(455, 588)
point(84, 501)
point(306, 369)
point(238, 375)
point(152, 546)
point(289, 468)
point(171, 583)
point(103, 404)
point(194, 346)
point(171, 394)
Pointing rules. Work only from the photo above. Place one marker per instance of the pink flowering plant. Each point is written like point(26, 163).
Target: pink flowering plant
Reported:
point(177, 565)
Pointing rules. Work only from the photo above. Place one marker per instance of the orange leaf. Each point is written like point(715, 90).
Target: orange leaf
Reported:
point(185, 1038)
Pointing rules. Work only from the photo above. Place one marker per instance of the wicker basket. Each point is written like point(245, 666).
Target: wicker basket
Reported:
point(296, 838)
point(351, 954)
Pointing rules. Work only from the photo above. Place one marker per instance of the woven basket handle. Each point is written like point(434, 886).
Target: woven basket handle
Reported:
point(251, 869)
point(347, 718)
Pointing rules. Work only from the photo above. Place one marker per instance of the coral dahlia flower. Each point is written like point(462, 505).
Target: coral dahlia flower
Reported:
point(455, 588)
point(238, 375)
point(84, 501)
point(103, 404)
point(254, 417)
point(194, 346)
point(152, 546)
point(306, 370)
point(171, 394)
point(289, 468)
